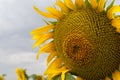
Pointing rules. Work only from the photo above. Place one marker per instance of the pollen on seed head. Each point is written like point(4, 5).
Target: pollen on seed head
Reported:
point(88, 44)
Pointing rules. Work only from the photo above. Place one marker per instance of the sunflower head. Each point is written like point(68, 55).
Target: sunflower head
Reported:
point(85, 39)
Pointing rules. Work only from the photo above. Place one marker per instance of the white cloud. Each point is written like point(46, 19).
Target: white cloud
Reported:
point(10, 61)
point(19, 58)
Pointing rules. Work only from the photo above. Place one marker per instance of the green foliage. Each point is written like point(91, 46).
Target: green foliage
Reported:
point(33, 76)
point(68, 76)
point(4, 75)
point(110, 5)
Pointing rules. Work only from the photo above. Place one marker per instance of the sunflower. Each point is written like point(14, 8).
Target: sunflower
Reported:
point(1, 77)
point(84, 39)
point(21, 74)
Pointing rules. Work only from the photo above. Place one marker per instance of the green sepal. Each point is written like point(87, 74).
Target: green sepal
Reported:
point(53, 22)
point(117, 16)
point(46, 21)
point(98, 1)
point(68, 76)
point(112, 3)
point(110, 76)
point(88, 3)
point(50, 22)
point(26, 74)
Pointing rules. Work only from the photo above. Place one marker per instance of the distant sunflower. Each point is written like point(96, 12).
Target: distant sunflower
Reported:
point(21, 74)
point(1, 77)
point(85, 39)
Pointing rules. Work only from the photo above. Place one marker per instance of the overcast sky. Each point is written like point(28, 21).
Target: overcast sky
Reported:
point(17, 20)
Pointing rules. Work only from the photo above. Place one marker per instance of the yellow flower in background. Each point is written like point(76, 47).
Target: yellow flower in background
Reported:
point(1, 77)
point(39, 77)
point(21, 74)
point(84, 40)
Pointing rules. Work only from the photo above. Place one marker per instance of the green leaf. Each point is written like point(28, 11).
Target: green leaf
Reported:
point(110, 76)
point(88, 3)
point(4, 75)
point(110, 5)
point(68, 76)
point(57, 77)
point(33, 76)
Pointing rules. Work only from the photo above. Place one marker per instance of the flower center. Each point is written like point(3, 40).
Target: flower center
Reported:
point(76, 47)
point(88, 44)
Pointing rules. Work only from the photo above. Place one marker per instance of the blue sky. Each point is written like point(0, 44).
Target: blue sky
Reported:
point(17, 20)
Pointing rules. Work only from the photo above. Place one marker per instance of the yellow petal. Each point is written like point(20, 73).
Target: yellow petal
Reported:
point(94, 3)
point(42, 29)
point(62, 6)
point(54, 65)
point(51, 56)
point(116, 75)
point(118, 30)
point(37, 56)
point(79, 78)
point(69, 4)
point(113, 10)
point(107, 78)
point(43, 39)
point(101, 5)
point(79, 3)
point(37, 37)
point(54, 72)
point(116, 23)
point(38, 33)
point(55, 12)
point(20, 74)
point(48, 47)
point(50, 76)
point(63, 74)
point(48, 15)
point(1, 77)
